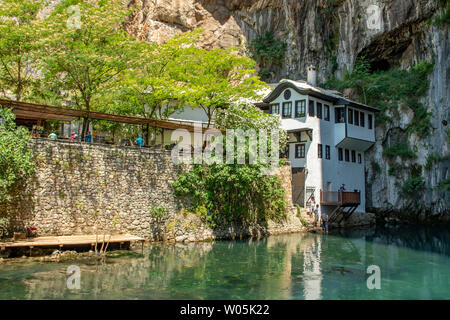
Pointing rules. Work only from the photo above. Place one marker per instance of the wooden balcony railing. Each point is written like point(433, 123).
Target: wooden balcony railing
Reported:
point(339, 197)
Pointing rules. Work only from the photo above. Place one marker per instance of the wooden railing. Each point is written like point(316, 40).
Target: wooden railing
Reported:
point(339, 197)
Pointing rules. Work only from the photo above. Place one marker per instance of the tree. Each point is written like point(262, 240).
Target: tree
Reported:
point(18, 44)
point(16, 158)
point(82, 59)
point(150, 89)
point(217, 78)
point(236, 192)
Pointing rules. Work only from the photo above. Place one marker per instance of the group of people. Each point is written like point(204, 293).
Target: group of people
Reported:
point(319, 219)
point(73, 136)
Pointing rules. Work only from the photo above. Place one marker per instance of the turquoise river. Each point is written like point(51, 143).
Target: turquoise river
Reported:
point(414, 263)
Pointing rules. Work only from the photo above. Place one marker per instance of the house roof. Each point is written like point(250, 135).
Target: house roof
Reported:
point(304, 88)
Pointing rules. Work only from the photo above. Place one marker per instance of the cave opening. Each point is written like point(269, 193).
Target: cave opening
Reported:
point(379, 65)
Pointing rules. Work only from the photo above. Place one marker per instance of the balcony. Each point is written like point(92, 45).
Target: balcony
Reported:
point(340, 198)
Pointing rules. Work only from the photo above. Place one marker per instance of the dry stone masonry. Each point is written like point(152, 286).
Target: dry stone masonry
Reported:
point(83, 188)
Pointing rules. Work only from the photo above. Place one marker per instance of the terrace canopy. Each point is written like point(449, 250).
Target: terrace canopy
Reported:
point(40, 112)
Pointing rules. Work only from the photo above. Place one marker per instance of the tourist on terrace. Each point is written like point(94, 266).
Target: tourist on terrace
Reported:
point(53, 136)
point(342, 188)
point(88, 136)
point(140, 142)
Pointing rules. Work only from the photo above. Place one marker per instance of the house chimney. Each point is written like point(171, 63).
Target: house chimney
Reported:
point(312, 76)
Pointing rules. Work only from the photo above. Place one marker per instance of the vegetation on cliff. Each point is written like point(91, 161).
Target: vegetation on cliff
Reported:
point(393, 92)
point(268, 52)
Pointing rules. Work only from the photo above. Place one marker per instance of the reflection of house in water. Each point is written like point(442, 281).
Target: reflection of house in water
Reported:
point(311, 269)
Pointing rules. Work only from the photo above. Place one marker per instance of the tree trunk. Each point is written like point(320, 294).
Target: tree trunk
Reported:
point(147, 134)
point(85, 126)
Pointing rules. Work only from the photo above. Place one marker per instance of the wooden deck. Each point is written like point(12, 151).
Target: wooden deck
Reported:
point(68, 241)
point(339, 198)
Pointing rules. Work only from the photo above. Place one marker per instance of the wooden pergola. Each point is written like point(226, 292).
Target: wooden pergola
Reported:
point(40, 112)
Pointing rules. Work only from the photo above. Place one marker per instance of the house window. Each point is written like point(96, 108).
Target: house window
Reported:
point(311, 108)
point(319, 110)
point(327, 112)
point(299, 151)
point(339, 115)
point(319, 151)
point(356, 118)
point(341, 156)
point(359, 158)
point(353, 156)
point(300, 108)
point(369, 120)
point(347, 155)
point(362, 118)
point(287, 109)
point(275, 108)
point(327, 152)
point(350, 116)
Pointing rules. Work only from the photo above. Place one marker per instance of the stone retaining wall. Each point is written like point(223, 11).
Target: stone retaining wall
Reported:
point(84, 188)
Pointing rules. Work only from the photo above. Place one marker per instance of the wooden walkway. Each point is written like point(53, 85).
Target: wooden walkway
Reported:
point(68, 241)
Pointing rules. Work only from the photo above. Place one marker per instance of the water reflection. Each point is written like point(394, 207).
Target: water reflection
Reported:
point(296, 266)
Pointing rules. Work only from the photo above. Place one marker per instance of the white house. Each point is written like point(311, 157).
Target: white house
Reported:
point(328, 135)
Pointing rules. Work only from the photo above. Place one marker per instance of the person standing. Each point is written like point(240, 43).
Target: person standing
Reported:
point(140, 142)
point(88, 137)
point(317, 216)
point(325, 223)
point(312, 205)
point(53, 136)
point(342, 188)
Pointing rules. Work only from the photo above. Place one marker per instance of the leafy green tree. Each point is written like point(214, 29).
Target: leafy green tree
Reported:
point(16, 158)
point(236, 192)
point(83, 57)
point(150, 88)
point(217, 78)
point(18, 45)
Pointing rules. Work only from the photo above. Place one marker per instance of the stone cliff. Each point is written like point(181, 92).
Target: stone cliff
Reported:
point(332, 34)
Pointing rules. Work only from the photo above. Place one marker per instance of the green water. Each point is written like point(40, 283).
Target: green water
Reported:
point(414, 264)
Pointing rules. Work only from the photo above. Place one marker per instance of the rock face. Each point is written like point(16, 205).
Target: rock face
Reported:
point(332, 34)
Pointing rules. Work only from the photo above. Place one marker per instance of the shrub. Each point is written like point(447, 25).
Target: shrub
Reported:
point(16, 158)
point(432, 159)
point(402, 150)
point(413, 186)
point(268, 52)
point(389, 90)
point(232, 192)
point(158, 212)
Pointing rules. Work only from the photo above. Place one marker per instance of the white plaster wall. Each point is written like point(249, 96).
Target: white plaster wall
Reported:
point(321, 171)
point(363, 133)
point(193, 114)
